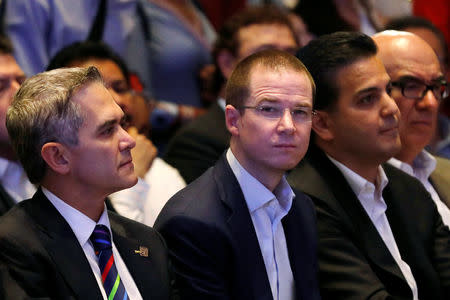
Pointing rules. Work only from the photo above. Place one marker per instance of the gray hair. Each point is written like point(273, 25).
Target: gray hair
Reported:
point(42, 112)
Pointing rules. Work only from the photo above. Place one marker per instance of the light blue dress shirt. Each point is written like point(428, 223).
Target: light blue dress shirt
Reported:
point(266, 210)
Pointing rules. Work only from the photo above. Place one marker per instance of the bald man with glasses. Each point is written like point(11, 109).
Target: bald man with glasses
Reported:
point(418, 87)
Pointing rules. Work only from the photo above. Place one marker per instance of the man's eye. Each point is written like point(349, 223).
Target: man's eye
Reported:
point(4, 85)
point(368, 99)
point(300, 112)
point(108, 131)
point(268, 109)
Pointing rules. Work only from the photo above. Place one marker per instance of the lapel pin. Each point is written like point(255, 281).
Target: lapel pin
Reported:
point(143, 251)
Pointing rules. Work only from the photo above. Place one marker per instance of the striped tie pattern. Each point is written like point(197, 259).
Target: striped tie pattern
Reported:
point(101, 240)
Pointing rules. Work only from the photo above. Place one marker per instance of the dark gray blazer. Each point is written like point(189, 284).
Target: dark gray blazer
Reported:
point(214, 247)
point(354, 262)
point(40, 257)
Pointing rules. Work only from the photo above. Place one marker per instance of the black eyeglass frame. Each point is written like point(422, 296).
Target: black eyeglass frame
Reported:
point(428, 87)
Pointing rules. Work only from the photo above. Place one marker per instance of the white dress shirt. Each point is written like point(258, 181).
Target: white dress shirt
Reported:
point(266, 210)
point(82, 226)
point(423, 165)
point(144, 201)
point(371, 198)
point(15, 181)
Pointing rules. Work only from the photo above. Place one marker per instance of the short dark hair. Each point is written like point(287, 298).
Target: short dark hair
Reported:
point(80, 52)
point(237, 89)
point(325, 56)
point(6, 46)
point(227, 38)
point(403, 23)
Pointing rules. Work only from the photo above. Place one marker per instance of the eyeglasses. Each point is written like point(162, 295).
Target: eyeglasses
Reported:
point(5, 82)
point(416, 89)
point(273, 112)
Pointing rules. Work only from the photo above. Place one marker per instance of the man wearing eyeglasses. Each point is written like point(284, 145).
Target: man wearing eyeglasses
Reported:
point(380, 234)
point(14, 183)
point(239, 231)
point(418, 86)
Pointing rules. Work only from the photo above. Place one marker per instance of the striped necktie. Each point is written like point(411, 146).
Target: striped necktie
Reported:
point(101, 240)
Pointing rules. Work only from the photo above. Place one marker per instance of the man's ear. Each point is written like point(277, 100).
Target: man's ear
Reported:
point(226, 62)
point(232, 119)
point(57, 157)
point(322, 125)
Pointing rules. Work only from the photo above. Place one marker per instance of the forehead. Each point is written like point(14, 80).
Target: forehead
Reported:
point(96, 103)
point(279, 85)
point(257, 37)
point(8, 65)
point(365, 73)
point(418, 60)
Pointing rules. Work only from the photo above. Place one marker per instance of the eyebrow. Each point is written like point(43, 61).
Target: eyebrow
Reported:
point(109, 123)
point(409, 77)
point(368, 90)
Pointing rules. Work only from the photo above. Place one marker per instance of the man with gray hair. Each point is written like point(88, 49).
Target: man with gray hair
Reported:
point(67, 132)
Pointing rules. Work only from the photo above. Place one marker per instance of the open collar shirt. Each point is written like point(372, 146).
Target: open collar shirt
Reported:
point(266, 210)
point(423, 165)
point(371, 198)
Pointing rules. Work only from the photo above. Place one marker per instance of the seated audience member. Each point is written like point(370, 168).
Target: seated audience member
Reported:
point(440, 143)
point(39, 29)
point(380, 234)
point(158, 181)
point(14, 183)
point(418, 86)
point(198, 145)
point(63, 244)
point(239, 231)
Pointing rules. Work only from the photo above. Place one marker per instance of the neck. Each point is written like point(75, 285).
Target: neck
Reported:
point(269, 178)
point(90, 204)
point(407, 155)
point(366, 168)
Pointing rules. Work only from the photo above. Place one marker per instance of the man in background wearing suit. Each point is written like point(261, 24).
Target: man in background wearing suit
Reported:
point(199, 144)
point(418, 86)
point(380, 235)
point(14, 184)
point(237, 232)
point(67, 131)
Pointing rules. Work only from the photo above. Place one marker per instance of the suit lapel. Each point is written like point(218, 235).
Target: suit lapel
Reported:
point(365, 234)
point(138, 263)
point(64, 248)
point(299, 245)
point(6, 201)
point(241, 227)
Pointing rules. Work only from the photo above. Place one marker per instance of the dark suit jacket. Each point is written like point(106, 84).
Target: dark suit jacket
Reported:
point(41, 257)
point(354, 262)
point(199, 144)
point(440, 179)
point(214, 247)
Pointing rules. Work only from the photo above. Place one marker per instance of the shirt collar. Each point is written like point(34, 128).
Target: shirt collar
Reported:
point(255, 193)
point(3, 166)
point(359, 184)
point(423, 165)
point(81, 225)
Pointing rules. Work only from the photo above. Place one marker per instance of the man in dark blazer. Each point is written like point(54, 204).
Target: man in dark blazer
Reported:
point(412, 64)
point(380, 235)
point(199, 144)
point(236, 232)
point(67, 132)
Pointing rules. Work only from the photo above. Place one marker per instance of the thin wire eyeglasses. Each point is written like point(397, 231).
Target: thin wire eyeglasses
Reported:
point(272, 112)
point(416, 89)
